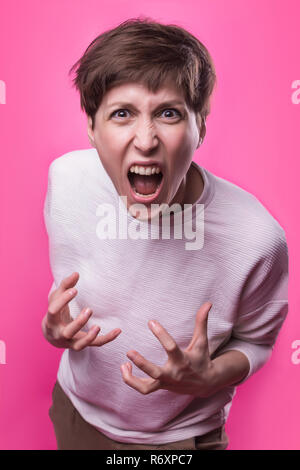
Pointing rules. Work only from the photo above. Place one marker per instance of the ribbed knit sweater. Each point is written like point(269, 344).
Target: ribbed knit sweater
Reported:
point(241, 267)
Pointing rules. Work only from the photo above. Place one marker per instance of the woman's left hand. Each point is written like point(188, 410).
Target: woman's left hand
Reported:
point(188, 371)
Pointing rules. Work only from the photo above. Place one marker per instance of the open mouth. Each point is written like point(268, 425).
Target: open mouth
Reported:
point(144, 185)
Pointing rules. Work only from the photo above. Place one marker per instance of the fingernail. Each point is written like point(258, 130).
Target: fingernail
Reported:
point(153, 324)
point(87, 312)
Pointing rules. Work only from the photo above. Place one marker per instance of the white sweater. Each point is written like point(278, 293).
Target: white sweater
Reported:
point(242, 268)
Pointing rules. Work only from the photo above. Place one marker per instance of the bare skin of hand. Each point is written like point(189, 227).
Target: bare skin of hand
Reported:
point(189, 371)
point(61, 330)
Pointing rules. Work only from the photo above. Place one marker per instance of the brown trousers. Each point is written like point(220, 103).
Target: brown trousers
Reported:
point(74, 433)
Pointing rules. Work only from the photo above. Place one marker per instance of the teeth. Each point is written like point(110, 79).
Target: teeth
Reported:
point(144, 170)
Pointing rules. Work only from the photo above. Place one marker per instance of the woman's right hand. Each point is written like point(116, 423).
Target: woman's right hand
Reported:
point(61, 330)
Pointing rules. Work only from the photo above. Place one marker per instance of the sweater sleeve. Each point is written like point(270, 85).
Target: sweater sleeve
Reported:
point(56, 200)
point(46, 213)
point(263, 307)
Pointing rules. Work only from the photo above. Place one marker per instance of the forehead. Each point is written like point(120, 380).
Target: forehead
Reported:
point(138, 92)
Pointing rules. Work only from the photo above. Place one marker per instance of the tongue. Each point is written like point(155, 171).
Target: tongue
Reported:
point(145, 184)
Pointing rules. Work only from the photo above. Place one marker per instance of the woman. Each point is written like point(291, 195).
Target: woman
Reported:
point(193, 320)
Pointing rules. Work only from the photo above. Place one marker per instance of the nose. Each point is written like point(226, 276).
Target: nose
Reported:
point(145, 138)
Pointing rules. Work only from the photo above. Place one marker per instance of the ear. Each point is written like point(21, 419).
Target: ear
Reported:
point(201, 124)
point(90, 131)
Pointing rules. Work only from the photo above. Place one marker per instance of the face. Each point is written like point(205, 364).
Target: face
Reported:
point(137, 131)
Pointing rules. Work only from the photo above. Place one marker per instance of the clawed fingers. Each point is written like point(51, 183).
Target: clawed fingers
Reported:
point(146, 366)
point(60, 297)
point(58, 302)
point(199, 339)
point(80, 339)
point(79, 344)
point(103, 339)
point(61, 330)
point(69, 281)
point(93, 339)
point(142, 385)
point(72, 328)
point(166, 340)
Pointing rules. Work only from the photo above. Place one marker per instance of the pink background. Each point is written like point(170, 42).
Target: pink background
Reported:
point(252, 140)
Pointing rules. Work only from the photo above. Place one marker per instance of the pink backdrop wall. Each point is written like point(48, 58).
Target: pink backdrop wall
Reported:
point(252, 140)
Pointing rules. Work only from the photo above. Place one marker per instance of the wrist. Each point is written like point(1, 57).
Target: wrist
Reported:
point(229, 368)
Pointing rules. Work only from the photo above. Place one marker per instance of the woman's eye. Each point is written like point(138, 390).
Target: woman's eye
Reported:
point(116, 113)
point(172, 110)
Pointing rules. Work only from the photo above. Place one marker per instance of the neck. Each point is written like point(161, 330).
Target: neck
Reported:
point(190, 188)
point(180, 196)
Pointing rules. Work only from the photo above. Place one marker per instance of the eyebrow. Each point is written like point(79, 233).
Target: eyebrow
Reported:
point(165, 103)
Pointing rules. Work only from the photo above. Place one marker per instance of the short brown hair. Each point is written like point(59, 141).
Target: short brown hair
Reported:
point(144, 51)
